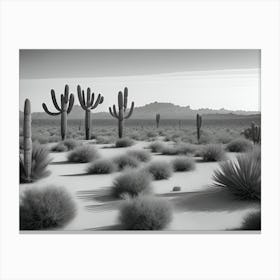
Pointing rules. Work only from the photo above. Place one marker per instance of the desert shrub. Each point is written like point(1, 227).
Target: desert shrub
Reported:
point(125, 161)
point(83, 154)
point(40, 162)
point(140, 155)
point(213, 152)
point(132, 182)
point(159, 170)
point(40, 139)
point(124, 142)
point(185, 149)
point(176, 189)
point(104, 140)
point(46, 208)
point(71, 144)
point(183, 164)
point(101, 166)
point(151, 134)
point(169, 151)
point(145, 213)
point(239, 145)
point(252, 221)
point(242, 176)
point(59, 147)
point(223, 138)
point(156, 147)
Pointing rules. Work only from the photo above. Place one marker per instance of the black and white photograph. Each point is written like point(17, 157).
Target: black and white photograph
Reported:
point(125, 140)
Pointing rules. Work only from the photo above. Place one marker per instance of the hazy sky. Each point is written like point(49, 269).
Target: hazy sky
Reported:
point(199, 78)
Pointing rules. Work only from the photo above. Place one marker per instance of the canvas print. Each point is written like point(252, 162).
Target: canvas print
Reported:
point(139, 140)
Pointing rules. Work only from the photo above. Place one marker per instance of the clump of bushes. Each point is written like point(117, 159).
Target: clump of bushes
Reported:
point(156, 147)
point(40, 162)
point(131, 183)
point(46, 208)
point(159, 170)
point(140, 155)
point(183, 164)
point(71, 144)
point(59, 148)
point(64, 146)
point(239, 145)
point(213, 152)
point(252, 221)
point(83, 154)
point(101, 166)
point(124, 142)
point(104, 140)
point(125, 161)
point(242, 176)
point(169, 151)
point(145, 213)
point(179, 149)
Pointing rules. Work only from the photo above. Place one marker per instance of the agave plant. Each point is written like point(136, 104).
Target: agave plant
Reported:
point(241, 176)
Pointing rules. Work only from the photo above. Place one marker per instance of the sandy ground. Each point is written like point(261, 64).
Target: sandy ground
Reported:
point(198, 206)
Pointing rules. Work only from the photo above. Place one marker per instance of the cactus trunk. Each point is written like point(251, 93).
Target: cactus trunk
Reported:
point(120, 122)
point(88, 125)
point(198, 126)
point(63, 124)
point(27, 142)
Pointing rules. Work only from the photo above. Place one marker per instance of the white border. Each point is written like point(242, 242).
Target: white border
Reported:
point(156, 24)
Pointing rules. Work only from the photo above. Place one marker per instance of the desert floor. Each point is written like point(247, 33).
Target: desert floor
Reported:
point(198, 206)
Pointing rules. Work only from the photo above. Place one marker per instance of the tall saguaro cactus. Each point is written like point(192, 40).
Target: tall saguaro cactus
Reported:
point(66, 105)
point(88, 104)
point(122, 104)
point(157, 119)
point(256, 133)
point(27, 142)
point(198, 126)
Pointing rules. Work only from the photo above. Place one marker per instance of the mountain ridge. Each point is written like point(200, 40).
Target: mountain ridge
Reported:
point(165, 109)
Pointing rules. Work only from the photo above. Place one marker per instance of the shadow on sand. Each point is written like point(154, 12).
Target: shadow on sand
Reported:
point(210, 200)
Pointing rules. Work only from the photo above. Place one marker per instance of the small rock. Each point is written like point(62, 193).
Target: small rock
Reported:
point(176, 189)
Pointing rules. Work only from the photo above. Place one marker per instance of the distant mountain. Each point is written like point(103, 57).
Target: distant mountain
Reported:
point(148, 111)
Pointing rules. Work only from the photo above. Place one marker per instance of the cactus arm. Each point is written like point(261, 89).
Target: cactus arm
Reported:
point(54, 100)
point(120, 100)
point(91, 100)
point(48, 112)
point(111, 113)
point(96, 102)
point(130, 111)
point(71, 103)
point(88, 97)
point(115, 111)
point(101, 100)
point(81, 100)
point(125, 98)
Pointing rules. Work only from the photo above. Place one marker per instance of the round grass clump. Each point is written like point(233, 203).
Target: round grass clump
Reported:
point(124, 142)
point(71, 144)
point(242, 176)
point(169, 151)
point(83, 154)
point(125, 161)
point(160, 170)
point(183, 164)
point(252, 221)
point(132, 183)
point(239, 145)
point(59, 148)
point(156, 147)
point(140, 155)
point(145, 213)
point(213, 152)
point(46, 208)
point(101, 166)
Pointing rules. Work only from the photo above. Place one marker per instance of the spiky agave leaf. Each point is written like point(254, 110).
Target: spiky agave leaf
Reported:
point(241, 176)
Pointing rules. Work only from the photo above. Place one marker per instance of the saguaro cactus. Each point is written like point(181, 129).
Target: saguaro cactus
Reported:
point(66, 105)
point(256, 133)
point(157, 119)
point(198, 126)
point(122, 103)
point(88, 105)
point(27, 142)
